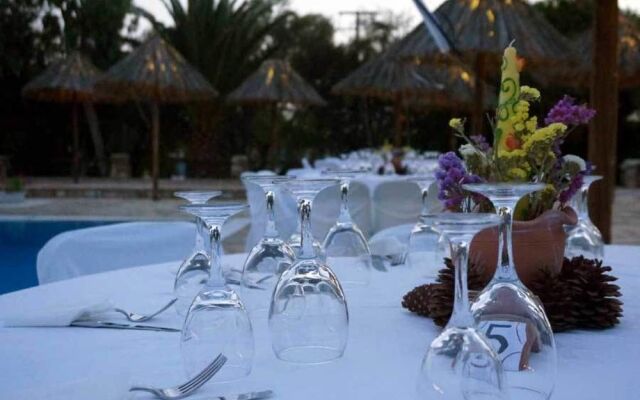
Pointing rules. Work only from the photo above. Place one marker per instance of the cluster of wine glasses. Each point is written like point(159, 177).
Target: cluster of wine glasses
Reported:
point(500, 345)
point(289, 283)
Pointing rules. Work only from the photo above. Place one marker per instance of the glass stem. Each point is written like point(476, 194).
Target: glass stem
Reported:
point(306, 237)
point(344, 216)
point(425, 206)
point(271, 230)
point(582, 203)
point(201, 236)
point(506, 270)
point(461, 316)
point(216, 279)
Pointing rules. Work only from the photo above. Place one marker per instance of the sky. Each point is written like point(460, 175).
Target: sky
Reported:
point(333, 8)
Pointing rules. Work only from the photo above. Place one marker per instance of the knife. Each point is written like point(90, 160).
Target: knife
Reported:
point(246, 396)
point(116, 325)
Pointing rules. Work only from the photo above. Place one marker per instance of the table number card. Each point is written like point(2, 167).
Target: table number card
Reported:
point(513, 340)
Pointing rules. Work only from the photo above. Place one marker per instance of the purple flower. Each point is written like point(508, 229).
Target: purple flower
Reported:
point(481, 143)
point(575, 184)
point(567, 112)
point(451, 175)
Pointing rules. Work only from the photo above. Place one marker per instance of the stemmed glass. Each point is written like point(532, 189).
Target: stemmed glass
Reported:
point(345, 245)
point(295, 240)
point(509, 313)
point(217, 321)
point(423, 238)
point(194, 270)
point(584, 238)
point(270, 256)
point(308, 318)
point(460, 362)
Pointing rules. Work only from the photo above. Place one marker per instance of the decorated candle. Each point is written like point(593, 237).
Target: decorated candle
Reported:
point(504, 138)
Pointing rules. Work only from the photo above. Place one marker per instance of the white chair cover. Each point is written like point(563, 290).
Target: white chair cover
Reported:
point(326, 208)
point(110, 247)
point(395, 203)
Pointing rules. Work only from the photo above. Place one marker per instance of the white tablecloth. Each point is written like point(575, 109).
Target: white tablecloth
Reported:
point(386, 345)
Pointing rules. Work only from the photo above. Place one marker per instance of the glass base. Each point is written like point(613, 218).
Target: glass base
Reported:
point(460, 364)
point(217, 323)
point(308, 311)
point(266, 261)
point(423, 251)
point(191, 277)
point(510, 310)
point(584, 240)
point(309, 354)
point(348, 253)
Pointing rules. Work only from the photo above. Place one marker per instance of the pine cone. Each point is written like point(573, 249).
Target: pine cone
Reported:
point(581, 296)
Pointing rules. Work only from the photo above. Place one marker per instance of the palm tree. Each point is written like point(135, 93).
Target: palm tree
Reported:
point(225, 40)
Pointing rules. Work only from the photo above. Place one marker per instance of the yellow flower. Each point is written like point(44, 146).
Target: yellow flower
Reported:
point(532, 124)
point(518, 126)
point(529, 93)
point(517, 174)
point(456, 123)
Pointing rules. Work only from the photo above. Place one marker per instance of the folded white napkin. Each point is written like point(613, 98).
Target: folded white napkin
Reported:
point(62, 313)
point(384, 246)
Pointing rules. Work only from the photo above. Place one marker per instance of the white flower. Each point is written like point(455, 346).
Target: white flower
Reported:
point(577, 161)
point(467, 150)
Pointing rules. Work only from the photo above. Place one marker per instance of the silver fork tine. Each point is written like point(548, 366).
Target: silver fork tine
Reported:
point(204, 376)
point(197, 380)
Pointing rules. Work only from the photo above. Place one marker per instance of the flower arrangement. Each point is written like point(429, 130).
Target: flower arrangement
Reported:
point(522, 151)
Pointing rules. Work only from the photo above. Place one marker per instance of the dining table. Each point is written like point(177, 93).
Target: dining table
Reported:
point(385, 347)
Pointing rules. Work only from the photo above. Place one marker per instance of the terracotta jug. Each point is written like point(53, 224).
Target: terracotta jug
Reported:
point(537, 244)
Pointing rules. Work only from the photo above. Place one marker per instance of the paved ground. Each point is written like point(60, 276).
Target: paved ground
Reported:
point(626, 210)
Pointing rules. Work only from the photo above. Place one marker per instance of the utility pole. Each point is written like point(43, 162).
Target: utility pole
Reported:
point(360, 17)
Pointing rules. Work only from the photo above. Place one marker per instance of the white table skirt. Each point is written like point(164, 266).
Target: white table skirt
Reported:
point(386, 345)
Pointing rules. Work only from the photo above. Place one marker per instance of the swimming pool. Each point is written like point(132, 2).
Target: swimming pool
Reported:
point(20, 241)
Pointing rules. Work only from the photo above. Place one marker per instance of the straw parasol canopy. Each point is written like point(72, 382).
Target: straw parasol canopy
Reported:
point(275, 82)
point(69, 80)
point(480, 30)
point(156, 73)
point(628, 59)
point(410, 84)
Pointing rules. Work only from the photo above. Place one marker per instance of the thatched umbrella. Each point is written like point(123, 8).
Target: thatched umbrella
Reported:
point(69, 80)
point(156, 73)
point(409, 84)
point(275, 82)
point(628, 59)
point(480, 30)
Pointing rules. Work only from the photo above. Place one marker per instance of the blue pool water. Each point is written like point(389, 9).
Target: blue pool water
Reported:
point(20, 241)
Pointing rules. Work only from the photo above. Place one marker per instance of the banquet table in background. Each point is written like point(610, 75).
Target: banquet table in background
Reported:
point(386, 344)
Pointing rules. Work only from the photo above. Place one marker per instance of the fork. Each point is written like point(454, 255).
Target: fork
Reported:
point(188, 387)
point(133, 317)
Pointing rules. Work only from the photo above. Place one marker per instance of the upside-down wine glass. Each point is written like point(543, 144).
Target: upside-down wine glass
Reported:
point(295, 240)
point(510, 315)
point(308, 317)
point(345, 245)
point(270, 256)
point(460, 363)
point(217, 321)
point(194, 270)
point(423, 251)
point(584, 238)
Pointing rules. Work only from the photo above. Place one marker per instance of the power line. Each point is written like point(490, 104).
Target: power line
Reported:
point(360, 18)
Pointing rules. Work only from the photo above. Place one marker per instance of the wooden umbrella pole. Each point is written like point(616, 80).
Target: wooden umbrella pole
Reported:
point(478, 94)
point(603, 130)
point(274, 146)
point(155, 148)
point(76, 143)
